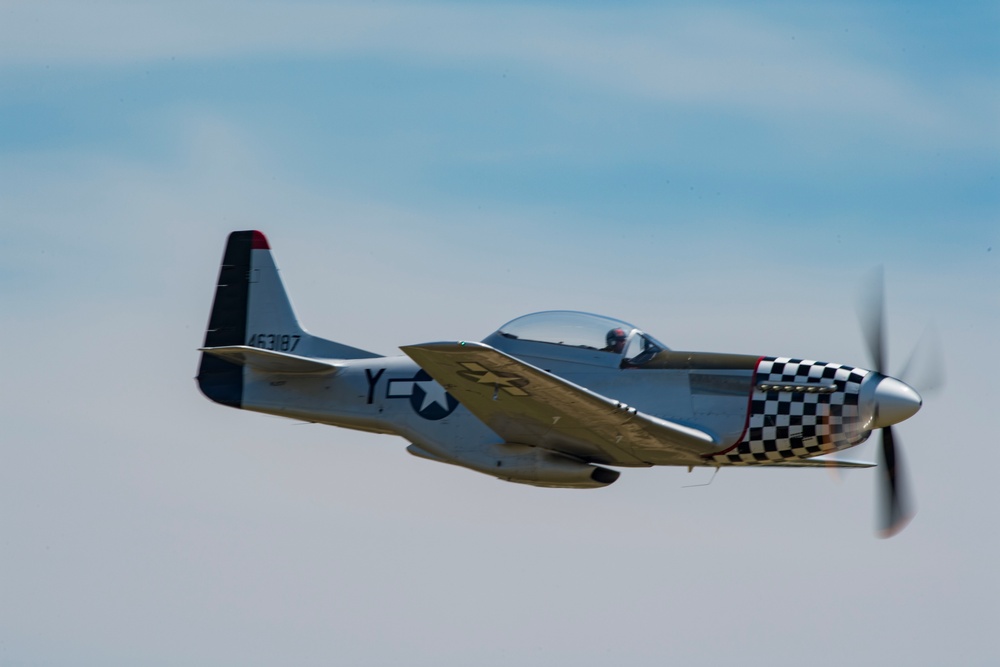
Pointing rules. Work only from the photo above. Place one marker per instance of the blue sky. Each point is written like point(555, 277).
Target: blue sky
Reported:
point(721, 175)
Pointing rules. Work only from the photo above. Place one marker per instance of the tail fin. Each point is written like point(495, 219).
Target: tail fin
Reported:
point(252, 308)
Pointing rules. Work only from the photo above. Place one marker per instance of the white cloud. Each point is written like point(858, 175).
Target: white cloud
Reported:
point(733, 61)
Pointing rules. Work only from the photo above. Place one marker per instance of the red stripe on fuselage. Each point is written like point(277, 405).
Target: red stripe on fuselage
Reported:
point(746, 422)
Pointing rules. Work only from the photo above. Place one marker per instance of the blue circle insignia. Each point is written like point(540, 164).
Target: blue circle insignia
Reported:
point(429, 399)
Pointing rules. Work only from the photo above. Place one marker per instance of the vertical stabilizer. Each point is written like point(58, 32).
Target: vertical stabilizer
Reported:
point(252, 308)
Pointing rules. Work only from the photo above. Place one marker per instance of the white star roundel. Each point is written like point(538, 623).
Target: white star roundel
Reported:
point(427, 397)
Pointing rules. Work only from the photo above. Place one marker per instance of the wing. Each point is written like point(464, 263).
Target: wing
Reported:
point(527, 405)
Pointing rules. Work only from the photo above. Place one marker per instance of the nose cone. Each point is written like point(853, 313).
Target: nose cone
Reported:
point(894, 401)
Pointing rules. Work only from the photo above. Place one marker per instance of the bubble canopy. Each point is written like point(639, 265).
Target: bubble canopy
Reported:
point(575, 329)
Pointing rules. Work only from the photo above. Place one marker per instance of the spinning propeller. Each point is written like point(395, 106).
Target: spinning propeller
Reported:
point(893, 401)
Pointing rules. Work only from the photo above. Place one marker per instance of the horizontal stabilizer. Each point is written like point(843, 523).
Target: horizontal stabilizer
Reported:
point(818, 463)
point(269, 361)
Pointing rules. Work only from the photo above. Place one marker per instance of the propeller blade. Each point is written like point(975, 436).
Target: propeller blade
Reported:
point(924, 370)
point(871, 312)
point(896, 511)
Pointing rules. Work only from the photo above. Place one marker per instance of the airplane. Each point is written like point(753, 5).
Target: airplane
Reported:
point(554, 398)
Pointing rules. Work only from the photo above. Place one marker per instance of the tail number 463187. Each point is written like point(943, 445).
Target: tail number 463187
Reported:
point(272, 341)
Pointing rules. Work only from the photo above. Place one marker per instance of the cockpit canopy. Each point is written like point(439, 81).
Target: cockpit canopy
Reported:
point(574, 329)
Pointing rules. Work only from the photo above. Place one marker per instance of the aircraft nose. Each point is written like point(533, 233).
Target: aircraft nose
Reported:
point(894, 401)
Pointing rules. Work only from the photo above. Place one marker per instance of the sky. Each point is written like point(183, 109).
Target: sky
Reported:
point(722, 175)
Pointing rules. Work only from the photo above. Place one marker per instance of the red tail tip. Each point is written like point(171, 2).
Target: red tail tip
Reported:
point(260, 241)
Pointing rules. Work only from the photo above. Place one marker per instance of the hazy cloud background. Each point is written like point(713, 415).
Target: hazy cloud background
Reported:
point(722, 176)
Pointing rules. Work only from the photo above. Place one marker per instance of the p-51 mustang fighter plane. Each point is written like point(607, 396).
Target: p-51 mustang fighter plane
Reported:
point(549, 399)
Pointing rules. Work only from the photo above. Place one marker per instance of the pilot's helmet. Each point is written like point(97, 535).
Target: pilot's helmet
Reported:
point(616, 336)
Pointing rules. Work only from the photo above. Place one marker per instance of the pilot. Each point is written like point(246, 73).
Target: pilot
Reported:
point(616, 340)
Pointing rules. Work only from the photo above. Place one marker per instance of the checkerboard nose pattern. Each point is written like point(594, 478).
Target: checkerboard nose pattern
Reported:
point(800, 408)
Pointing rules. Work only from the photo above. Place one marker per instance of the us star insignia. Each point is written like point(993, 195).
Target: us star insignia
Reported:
point(509, 382)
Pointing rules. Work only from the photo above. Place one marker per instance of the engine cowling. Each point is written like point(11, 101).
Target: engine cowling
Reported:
point(525, 464)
